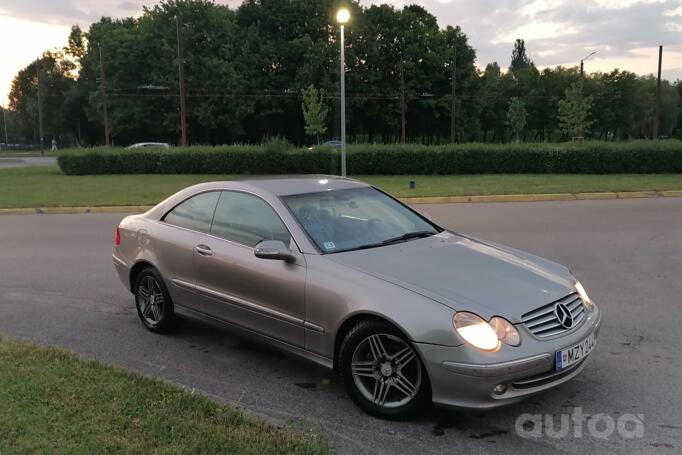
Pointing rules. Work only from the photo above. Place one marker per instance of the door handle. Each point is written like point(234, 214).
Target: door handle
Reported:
point(204, 250)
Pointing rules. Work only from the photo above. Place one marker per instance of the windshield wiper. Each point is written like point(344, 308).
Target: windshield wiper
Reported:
point(408, 236)
point(401, 238)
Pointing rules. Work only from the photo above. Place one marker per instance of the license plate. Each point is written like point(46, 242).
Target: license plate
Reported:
point(570, 356)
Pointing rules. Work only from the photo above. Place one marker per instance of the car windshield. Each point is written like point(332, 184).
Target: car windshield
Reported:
point(358, 218)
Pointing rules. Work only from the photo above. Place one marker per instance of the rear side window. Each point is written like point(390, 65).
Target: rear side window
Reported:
point(195, 213)
point(247, 219)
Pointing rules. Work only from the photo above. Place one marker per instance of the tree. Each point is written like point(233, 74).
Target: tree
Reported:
point(245, 70)
point(467, 86)
point(574, 111)
point(496, 89)
point(517, 116)
point(520, 59)
point(56, 81)
point(314, 111)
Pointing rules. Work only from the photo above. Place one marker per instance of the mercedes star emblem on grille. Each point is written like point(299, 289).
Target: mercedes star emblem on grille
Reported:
point(563, 315)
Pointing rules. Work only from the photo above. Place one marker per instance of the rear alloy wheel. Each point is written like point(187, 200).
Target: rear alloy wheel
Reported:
point(153, 303)
point(382, 371)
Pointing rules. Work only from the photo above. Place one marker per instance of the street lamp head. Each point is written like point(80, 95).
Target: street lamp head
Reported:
point(342, 16)
point(589, 55)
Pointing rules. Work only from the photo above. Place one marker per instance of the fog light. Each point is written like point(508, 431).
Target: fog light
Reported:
point(500, 389)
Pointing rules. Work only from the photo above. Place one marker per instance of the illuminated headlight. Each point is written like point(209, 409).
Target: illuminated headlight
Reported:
point(589, 305)
point(485, 335)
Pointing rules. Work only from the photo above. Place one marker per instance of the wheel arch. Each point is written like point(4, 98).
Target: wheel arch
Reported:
point(136, 270)
point(351, 321)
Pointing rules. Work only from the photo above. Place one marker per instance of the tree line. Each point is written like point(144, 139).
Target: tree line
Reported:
point(270, 68)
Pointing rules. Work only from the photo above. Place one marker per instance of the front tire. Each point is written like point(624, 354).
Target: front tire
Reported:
point(382, 371)
point(154, 305)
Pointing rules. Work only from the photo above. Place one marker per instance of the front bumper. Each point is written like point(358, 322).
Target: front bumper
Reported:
point(464, 377)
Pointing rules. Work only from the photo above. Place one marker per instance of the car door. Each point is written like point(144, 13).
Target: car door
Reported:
point(173, 242)
point(263, 295)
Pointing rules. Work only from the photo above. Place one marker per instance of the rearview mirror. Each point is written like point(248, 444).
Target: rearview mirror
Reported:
point(274, 249)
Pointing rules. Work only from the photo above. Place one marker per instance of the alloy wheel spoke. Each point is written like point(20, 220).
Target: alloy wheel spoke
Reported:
point(381, 388)
point(150, 286)
point(377, 347)
point(144, 293)
point(404, 357)
point(403, 384)
point(147, 309)
point(364, 369)
point(157, 312)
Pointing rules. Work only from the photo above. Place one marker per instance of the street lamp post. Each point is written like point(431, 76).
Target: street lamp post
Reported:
point(342, 17)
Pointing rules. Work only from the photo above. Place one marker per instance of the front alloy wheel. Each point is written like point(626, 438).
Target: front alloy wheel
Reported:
point(382, 371)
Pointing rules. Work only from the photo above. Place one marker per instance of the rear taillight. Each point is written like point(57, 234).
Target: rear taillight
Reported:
point(117, 239)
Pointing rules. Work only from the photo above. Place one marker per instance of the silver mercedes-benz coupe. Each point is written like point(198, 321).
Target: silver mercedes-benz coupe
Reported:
point(343, 274)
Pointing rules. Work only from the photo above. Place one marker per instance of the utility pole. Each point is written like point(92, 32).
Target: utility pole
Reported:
point(453, 113)
point(40, 107)
point(181, 76)
point(103, 88)
point(582, 64)
point(4, 121)
point(582, 88)
point(657, 120)
point(402, 101)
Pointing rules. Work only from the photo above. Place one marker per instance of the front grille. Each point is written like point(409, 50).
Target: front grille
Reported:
point(543, 322)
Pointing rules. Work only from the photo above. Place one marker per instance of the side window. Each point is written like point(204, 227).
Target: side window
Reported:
point(195, 213)
point(247, 219)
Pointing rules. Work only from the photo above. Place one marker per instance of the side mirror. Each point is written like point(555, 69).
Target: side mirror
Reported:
point(274, 249)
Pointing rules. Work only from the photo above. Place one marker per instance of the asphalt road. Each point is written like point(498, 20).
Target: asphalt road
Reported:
point(57, 286)
point(27, 161)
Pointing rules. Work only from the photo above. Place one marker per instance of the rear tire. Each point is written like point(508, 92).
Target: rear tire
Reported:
point(153, 302)
point(382, 371)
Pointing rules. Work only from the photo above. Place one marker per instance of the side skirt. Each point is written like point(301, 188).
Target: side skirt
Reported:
point(202, 317)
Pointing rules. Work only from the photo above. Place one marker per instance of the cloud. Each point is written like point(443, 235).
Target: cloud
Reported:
point(83, 12)
point(129, 6)
point(626, 32)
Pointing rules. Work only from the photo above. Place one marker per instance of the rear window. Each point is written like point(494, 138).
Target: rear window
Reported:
point(196, 213)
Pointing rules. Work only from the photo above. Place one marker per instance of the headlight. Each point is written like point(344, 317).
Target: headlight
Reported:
point(583, 295)
point(505, 331)
point(476, 331)
point(485, 335)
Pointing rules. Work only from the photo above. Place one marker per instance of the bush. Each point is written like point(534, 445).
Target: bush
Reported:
point(635, 157)
point(276, 144)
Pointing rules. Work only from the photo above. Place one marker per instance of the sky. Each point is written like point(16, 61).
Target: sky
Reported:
point(624, 33)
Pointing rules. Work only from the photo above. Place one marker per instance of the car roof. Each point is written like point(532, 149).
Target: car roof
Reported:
point(288, 185)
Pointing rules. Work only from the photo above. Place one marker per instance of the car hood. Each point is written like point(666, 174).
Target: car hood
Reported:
point(466, 274)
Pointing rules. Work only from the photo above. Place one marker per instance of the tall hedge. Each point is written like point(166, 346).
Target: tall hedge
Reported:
point(584, 158)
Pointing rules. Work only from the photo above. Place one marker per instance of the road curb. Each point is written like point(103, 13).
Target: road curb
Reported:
point(76, 210)
point(540, 197)
point(407, 200)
